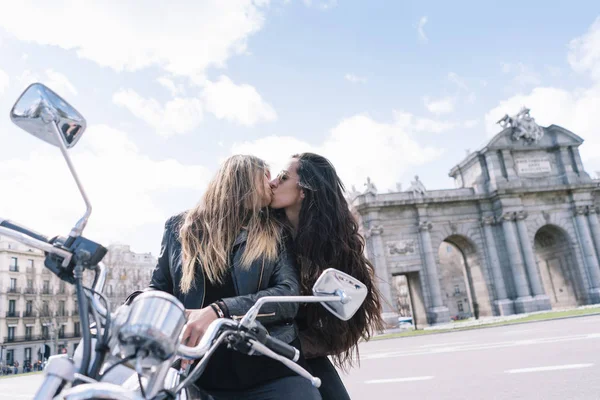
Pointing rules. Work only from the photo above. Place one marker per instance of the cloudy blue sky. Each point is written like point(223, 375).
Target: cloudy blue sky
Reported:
point(386, 89)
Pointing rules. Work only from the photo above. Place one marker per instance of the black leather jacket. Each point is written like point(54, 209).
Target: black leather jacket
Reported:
point(263, 278)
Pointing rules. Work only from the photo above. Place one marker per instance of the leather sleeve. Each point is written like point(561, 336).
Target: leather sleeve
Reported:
point(285, 281)
point(161, 276)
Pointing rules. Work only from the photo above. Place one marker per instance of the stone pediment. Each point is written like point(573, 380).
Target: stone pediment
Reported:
point(554, 136)
point(512, 159)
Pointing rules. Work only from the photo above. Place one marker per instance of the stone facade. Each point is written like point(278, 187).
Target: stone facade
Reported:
point(38, 314)
point(524, 215)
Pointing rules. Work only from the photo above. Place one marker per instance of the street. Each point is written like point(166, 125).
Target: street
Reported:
point(543, 360)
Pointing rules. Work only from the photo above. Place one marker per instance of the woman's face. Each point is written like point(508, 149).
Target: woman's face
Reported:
point(286, 189)
point(266, 192)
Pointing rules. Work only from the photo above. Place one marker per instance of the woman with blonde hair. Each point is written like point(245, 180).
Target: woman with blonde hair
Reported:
point(218, 259)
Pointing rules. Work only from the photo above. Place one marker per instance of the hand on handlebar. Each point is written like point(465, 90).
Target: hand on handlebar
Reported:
point(198, 321)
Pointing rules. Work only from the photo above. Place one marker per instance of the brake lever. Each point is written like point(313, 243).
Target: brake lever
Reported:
point(264, 350)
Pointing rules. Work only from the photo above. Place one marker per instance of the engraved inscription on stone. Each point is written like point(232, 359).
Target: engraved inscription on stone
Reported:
point(533, 165)
point(402, 247)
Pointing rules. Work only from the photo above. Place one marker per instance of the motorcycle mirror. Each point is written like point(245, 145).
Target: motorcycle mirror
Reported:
point(352, 293)
point(36, 110)
point(47, 116)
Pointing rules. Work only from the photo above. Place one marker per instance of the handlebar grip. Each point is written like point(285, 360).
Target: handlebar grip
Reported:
point(282, 348)
point(20, 228)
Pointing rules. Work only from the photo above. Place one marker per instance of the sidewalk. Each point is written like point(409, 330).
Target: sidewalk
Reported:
point(473, 323)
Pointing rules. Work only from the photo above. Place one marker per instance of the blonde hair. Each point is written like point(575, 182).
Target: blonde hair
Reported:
point(231, 203)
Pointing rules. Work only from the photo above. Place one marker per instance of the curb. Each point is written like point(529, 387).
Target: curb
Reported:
point(472, 328)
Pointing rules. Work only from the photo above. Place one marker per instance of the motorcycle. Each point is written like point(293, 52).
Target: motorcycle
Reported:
point(130, 354)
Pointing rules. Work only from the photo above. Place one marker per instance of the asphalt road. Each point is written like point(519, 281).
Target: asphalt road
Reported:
point(543, 360)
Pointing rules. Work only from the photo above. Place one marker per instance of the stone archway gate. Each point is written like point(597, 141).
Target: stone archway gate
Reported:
point(506, 192)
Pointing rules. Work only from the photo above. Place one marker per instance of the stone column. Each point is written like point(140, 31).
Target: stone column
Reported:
point(589, 253)
point(381, 269)
point(594, 227)
point(504, 306)
point(535, 281)
point(438, 312)
point(524, 302)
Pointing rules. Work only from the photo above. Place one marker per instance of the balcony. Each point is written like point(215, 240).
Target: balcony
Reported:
point(29, 290)
point(46, 314)
point(45, 271)
point(29, 314)
point(30, 270)
point(13, 268)
point(13, 314)
point(26, 338)
point(12, 290)
point(47, 291)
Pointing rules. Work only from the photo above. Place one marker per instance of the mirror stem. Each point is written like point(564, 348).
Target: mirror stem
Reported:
point(78, 228)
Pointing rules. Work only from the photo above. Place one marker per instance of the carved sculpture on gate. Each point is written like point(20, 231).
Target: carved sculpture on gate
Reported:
point(523, 126)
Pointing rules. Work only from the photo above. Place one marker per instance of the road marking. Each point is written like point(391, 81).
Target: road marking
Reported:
point(549, 368)
point(443, 344)
point(480, 346)
point(399, 380)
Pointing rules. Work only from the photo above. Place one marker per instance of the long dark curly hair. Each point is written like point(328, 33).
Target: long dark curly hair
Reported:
point(328, 237)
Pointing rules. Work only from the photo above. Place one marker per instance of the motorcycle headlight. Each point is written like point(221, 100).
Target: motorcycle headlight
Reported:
point(153, 327)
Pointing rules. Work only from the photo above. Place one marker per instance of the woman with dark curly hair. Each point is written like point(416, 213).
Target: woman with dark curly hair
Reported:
point(325, 233)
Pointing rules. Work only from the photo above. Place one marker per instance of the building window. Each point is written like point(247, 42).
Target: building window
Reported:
point(11, 333)
point(10, 357)
point(46, 309)
point(28, 332)
point(11, 308)
point(77, 329)
point(46, 287)
point(30, 263)
point(13, 285)
point(61, 308)
point(29, 283)
point(29, 308)
point(28, 355)
point(45, 332)
point(456, 289)
point(14, 264)
point(61, 287)
point(61, 331)
point(460, 306)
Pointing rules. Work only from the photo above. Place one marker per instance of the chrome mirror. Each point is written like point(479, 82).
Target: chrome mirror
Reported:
point(36, 110)
point(47, 116)
point(351, 293)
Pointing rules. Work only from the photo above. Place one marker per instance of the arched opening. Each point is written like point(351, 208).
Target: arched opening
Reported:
point(462, 282)
point(556, 265)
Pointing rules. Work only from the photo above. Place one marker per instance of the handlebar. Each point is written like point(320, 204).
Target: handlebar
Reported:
point(38, 244)
point(282, 348)
point(22, 229)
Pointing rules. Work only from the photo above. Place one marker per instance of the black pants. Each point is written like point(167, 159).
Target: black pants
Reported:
point(288, 388)
point(332, 387)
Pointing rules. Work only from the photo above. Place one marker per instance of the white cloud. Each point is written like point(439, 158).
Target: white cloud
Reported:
point(575, 110)
point(440, 106)
point(200, 34)
point(421, 29)
point(4, 81)
point(59, 83)
point(458, 81)
point(410, 123)
point(471, 123)
point(524, 75)
point(120, 181)
point(239, 103)
point(355, 79)
point(358, 146)
point(56, 81)
point(177, 116)
point(170, 85)
point(584, 52)
point(322, 4)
